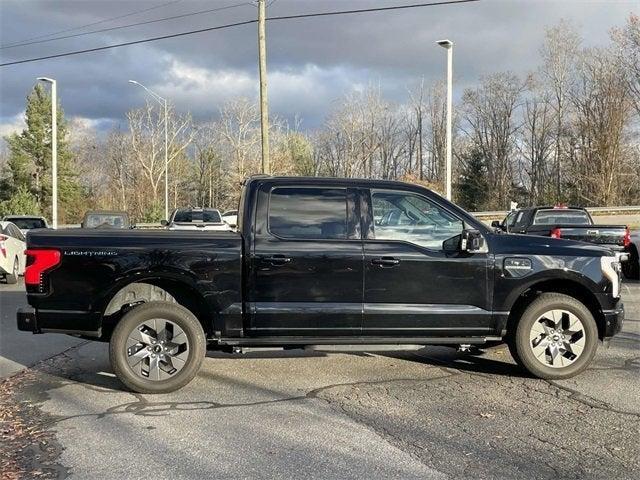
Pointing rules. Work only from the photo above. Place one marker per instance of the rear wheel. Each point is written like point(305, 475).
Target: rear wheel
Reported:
point(157, 347)
point(556, 337)
point(12, 277)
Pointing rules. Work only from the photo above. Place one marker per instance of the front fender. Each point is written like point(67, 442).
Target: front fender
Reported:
point(582, 271)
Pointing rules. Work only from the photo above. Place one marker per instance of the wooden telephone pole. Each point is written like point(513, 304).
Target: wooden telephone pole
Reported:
point(264, 105)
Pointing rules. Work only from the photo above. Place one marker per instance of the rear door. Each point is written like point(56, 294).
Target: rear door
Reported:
point(412, 286)
point(306, 266)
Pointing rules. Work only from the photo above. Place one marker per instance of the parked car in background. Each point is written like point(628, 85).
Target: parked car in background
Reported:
point(571, 223)
point(195, 218)
point(12, 247)
point(105, 219)
point(230, 217)
point(26, 222)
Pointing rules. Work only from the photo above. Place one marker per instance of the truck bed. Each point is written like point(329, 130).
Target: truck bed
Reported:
point(96, 264)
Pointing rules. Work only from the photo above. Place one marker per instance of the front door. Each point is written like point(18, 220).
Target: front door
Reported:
point(307, 262)
point(412, 286)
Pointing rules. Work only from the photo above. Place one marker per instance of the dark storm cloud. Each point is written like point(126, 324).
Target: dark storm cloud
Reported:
point(312, 62)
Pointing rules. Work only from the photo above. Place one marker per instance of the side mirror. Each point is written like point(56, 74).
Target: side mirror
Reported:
point(164, 223)
point(472, 241)
point(452, 244)
point(496, 224)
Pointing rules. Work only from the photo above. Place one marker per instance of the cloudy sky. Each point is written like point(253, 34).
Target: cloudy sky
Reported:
point(311, 62)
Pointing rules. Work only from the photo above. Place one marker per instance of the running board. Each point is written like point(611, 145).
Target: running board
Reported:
point(360, 341)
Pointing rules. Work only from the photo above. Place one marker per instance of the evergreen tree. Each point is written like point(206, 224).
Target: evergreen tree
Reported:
point(28, 169)
point(472, 186)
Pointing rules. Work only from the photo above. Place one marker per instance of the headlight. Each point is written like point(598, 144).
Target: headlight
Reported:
point(611, 270)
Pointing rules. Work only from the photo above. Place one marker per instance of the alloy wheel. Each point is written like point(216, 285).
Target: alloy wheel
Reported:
point(557, 338)
point(157, 349)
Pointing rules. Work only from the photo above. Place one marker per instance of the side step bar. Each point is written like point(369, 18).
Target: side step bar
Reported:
point(364, 341)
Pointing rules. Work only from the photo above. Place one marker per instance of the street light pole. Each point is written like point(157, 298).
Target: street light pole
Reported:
point(54, 150)
point(264, 104)
point(162, 101)
point(448, 45)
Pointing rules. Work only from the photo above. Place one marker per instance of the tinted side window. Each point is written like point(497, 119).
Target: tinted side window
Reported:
point(308, 213)
point(412, 218)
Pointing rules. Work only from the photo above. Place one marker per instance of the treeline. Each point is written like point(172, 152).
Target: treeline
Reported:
point(566, 132)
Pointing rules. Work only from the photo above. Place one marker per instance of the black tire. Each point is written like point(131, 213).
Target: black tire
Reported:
point(12, 278)
point(128, 325)
point(631, 268)
point(520, 344)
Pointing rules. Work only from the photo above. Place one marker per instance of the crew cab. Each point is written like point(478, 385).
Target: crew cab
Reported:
point(572, 223)
point(318, 262)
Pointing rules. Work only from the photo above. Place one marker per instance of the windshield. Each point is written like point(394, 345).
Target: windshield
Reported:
point(561, 216)
point(207, 215)
point(27, 223)
point(107, 220)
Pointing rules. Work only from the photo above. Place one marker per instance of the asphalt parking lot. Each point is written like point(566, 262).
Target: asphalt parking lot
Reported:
point(432, 413)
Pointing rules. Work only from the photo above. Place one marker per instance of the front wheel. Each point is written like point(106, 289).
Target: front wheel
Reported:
point(556, 337)
point(157, 347)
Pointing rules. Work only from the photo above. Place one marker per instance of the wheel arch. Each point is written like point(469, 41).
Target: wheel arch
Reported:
point(565, 286)
point(157, 288)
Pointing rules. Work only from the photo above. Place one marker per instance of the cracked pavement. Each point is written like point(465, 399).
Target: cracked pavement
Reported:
point(431, 413)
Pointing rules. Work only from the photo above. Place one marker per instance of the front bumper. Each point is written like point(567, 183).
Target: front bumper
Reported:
point(613, 320)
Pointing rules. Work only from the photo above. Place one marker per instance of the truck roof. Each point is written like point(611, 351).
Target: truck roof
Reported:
point(361, 182)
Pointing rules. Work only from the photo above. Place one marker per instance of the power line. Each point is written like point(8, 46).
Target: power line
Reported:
point(237, 24)
point(119, 27)
point(18, 43)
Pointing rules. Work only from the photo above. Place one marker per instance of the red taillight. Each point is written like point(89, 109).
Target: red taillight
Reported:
point(3, 247)
point(626, 240)
point(38, 262)
point(556, 233)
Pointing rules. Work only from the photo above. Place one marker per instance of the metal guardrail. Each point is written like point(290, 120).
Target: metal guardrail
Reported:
point(596, 210)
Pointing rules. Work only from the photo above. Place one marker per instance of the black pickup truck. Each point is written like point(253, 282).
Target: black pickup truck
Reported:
point(318, 262)
point(572, 223)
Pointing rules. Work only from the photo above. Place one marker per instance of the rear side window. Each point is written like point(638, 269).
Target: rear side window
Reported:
point(561, 216)
point(308, 213)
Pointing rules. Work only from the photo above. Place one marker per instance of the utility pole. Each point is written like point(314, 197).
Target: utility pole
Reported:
point(448, 45)
point(54, 150)
point(264, 104)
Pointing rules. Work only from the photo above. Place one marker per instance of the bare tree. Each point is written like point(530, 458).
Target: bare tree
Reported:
point(146, 126)
point(536, 146)
point(627, 40)
point(558, 52)
point(603, 107)
point(491, 124)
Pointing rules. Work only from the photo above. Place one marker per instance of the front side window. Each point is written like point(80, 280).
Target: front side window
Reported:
point(308, 213)
point(412, 218)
